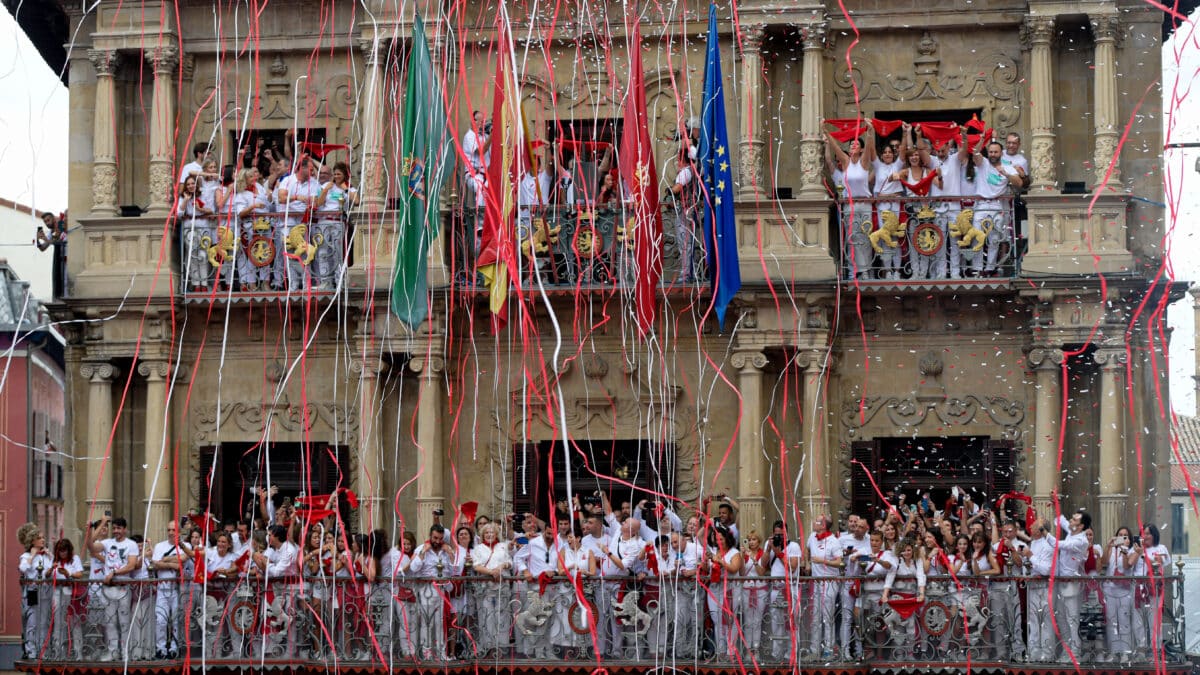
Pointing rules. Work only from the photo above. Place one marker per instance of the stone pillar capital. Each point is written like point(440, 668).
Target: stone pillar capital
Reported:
point(1106, 28)
point(1110, 358)
point(752, 38)
point(154, 370)
point(98, 371)
point(165, 59)
point(369, 367)
point(814, 35)
point(373, 51)
point(105, 61)
point(1037, 31)
point(428, 366)
point(749, 362)
point(1046, 358)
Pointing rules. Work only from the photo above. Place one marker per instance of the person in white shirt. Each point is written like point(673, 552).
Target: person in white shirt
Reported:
point(35, 565)
point(576, 563)
point(907, 580)
point(618, 556)
point(250, 201)
point(538, 558)
point(297, 194)
point(336, 199)
point(680, 571)
point(785, 558)
point(194, 168)
point(477, 146)
point(66, 572)
point(875, 564)
point(854, 542)
point(1073, 551)
point(1013, 158)
point(1118, 595)
point(724, 563)
point(887, 169)
point(949, 162)
point(276, 566)
point(993, 213)
point(1039, 558)
point(1149, 558)
point(825, 555)
point(1004, 597)
point(491, 560)
point(856, 216)
point(431, 561)
point(166, 561)
point(122, 557)
point(685, 195)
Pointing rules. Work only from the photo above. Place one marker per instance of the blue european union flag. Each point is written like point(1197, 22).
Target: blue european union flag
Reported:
point(720, 229)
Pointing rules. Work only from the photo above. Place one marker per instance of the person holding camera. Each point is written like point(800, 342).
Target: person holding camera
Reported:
point(618, 555)
point(855, 542)
point(166, 560)
point(1073, 551)
point(35, 566)
point(1118, 594)
point(1150, 559)
point(431, 561)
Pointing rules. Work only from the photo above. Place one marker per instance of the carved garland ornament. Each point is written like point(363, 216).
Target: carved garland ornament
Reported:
point(909, 412)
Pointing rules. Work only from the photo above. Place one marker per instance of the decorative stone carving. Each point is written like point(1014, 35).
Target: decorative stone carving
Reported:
point(1045, 358)
point(1036, 30)
point(105, 61)
point(815, 35)
point(748, 360)
point(1107, 28)
point(751, 164)
point(1111, 358)
point(98, 371)
point(1106, 149)
point(810, 161)
point(427, 365)
point(930, 364)
point(278, 67)
point(104, 186)
point(165, 59)
point(1042, 162)
point(752, 39)
point(989, 79)
point(927, 63)
point(250, 420)
point(907, 413)
point(154, 370)
point(189, 67)
point(594, 366)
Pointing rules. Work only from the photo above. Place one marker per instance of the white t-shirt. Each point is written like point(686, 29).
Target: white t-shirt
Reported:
point(827, 547)
point(117, 555)
point(298, 188)
point(991, 182)
point(952, 177)
point(1015, 161)
point(778, 566)
point(192, 168)
point(884, 185)
point(165, 549)
point(472, 143)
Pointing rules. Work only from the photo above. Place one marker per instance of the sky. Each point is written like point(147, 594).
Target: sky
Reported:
point(33, 154)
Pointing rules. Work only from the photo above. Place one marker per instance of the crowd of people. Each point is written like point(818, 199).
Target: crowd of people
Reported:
point(598, 581)
point(283, 230)
point(913, 210)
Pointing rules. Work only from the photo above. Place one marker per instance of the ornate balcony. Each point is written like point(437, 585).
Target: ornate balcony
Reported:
point(748, 623)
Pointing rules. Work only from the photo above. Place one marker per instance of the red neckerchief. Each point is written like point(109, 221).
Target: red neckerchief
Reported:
point(921, 187)
point(252, 189)
point(824, 535)
point(1001, 551)
point(652, 559)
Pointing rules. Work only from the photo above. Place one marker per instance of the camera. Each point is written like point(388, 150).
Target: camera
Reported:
point(1122, 540)
point(777, 541)
point(1135, 540)
point(439, 512)
point(487, 127)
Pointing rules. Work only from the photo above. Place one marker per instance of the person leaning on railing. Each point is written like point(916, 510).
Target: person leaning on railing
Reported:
point(35, 566)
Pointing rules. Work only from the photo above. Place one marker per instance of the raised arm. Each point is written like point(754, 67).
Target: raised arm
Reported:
point(832, 144)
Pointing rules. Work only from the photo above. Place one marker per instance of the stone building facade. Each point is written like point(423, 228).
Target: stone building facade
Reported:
point(818, 379)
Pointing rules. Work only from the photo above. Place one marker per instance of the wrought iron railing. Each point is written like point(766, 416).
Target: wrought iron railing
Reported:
point(928, 238)
point(767, 621)
point(582, 246)
point(294, 253)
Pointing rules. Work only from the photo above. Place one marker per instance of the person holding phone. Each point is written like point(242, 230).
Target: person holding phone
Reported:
point(1118, 594)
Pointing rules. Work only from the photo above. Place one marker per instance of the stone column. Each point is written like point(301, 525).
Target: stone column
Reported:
point(369, 482)
point(431, 454)
point(752, 487)
point(1112, 362)
point(750, 104)
point(1106, 30)
point(812, 141)
point(1037, 36)
point(156, 450)
point(815, 484)
point(162, 129)
point(104, 134)
point(1047, 364)
point(374, 52)
point(98, 471)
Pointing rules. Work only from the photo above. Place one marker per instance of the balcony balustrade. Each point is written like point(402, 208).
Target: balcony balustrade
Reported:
point(747, 622)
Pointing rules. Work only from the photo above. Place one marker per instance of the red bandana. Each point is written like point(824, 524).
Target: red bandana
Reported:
point(824, 535)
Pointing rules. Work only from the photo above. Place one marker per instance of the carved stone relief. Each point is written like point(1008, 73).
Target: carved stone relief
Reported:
point(990, 80)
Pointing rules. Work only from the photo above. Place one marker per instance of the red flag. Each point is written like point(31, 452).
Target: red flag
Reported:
point(319, 150)
point(847, 129)
point(885, 127)
point(468, 511)
point(637, 169)
point(509, 160)
point(939, 133)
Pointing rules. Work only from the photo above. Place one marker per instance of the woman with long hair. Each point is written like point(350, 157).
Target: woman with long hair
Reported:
point(724, 563)
point(490, 559)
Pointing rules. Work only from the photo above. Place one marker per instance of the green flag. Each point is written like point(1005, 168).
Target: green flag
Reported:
point(424, 151)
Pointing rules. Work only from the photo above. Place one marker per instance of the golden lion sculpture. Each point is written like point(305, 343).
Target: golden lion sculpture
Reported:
point(221, 248)
point(890, 232)
point(297, 245)
point(540, 239)
point(963, 229)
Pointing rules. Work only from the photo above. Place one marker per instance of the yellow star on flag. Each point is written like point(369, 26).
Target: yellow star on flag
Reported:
point(724, 166)
point(720, 151)
point(720, 185)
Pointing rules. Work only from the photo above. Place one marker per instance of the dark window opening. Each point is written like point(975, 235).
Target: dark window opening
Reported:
point(1179, 535)
point(627, 470)
point(585, 143)
point(274, 140)
point(978, 466)
point(242, 468)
